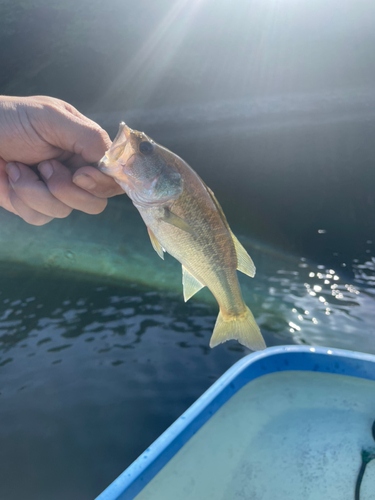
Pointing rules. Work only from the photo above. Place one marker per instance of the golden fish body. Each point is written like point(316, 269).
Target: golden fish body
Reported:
point(184, 219)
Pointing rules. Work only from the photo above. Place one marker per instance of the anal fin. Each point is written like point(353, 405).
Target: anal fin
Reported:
point(190, 283)
point(244, 261)
point(155, 244)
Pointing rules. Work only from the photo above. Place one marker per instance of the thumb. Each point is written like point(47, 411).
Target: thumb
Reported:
point(74, 133)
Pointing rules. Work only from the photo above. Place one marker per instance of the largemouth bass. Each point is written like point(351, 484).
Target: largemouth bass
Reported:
point(184, 219)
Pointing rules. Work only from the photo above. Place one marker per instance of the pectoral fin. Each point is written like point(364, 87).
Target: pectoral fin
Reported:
point(155, 243)
point(244, 261)
point(173, 219)
point(191, 284)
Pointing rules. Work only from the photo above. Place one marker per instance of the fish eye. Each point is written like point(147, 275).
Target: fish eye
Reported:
point(146, 148)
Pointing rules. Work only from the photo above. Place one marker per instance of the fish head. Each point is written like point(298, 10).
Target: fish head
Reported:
point(143, 168)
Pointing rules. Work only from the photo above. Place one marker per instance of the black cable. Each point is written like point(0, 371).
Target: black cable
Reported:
point(366, 456)
point(365, 461)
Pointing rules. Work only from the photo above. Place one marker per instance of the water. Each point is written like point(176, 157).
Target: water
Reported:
point(90, 376)
point(95, 364)
point(327, 302)
point(274, 429)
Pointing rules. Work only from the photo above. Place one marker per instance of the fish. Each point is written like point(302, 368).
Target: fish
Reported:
point(184, 219)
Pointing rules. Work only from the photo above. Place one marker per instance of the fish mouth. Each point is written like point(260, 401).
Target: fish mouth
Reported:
point(107, 165)
point(123, 130)
point(113, 169)
point(111, 156)
point(102, 165)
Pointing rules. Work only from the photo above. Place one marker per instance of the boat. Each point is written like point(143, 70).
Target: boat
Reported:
point(290, 422)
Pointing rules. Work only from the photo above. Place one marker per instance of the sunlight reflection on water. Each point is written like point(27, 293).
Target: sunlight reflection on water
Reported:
point(314, 303)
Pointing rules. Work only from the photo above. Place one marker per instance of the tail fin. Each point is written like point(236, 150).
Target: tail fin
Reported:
point(242, 328)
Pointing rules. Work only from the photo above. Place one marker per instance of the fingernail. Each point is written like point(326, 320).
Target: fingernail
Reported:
point(13, 172)
point(84, 181)
point(46, 169)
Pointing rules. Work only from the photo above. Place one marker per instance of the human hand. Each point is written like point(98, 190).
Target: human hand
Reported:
point(46, 135)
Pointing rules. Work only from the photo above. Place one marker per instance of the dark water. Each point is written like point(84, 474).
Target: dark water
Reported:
point(90, 376)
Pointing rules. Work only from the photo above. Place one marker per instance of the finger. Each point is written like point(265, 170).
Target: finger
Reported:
point(97, 183)
point(74, 162)
point(71, 160)
point(33, 192)
point(26, 213)
point(4, 189)
point(59, 181)
point(73, 133)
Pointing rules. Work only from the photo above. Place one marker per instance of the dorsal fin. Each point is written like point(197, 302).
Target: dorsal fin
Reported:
point(218, 207)
point(190, 283)
point(155, 243)
point(244, 261)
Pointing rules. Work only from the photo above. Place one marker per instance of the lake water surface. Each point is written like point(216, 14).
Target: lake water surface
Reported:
point(95, 364)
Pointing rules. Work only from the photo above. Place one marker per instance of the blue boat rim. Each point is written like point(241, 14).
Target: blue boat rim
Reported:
point(274, 359)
